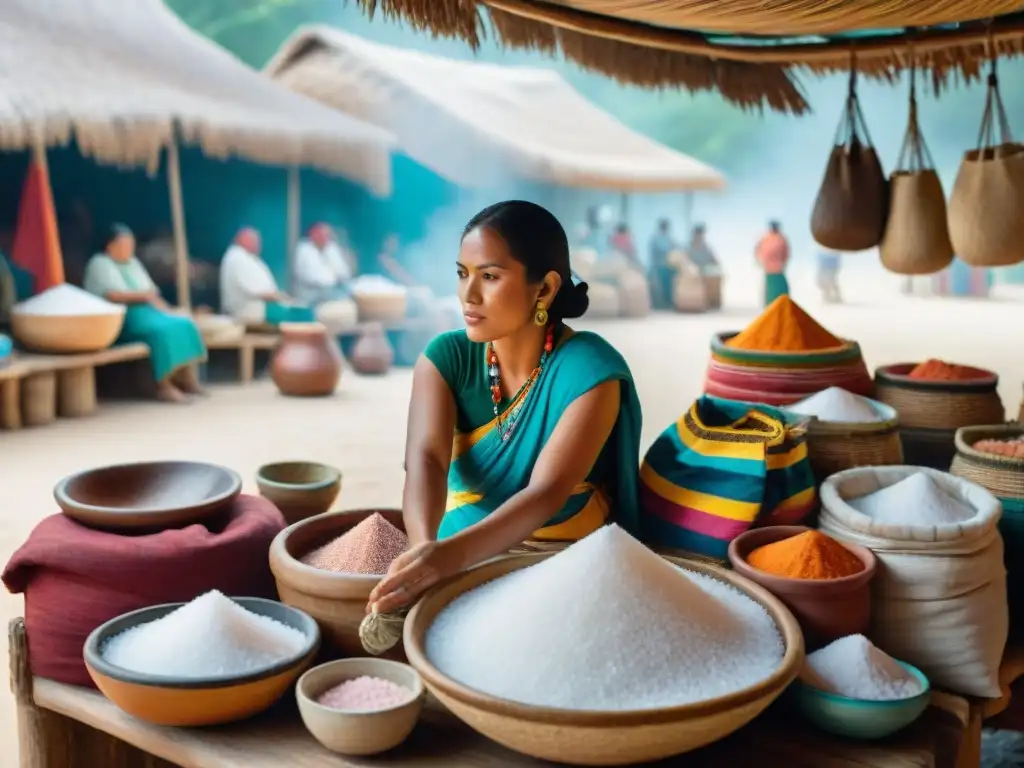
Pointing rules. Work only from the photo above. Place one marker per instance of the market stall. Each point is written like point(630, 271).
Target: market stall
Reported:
point(507, 123)
point(130, 100)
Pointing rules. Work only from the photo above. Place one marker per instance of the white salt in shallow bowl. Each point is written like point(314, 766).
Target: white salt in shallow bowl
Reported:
point(359, 733)
point(594, 737)
point(861, 718)
point(177, 701)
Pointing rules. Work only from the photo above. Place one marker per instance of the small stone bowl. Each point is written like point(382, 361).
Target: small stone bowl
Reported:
point(859, 718)
point(300, 489)
point(350, 732)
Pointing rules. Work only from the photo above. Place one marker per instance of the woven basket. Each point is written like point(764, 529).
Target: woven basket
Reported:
point(1004, 478)
point(1002, 475)
point(381, 307)
point(783, 386)
point(939, 405)
point(824, 358)
point(833, 447)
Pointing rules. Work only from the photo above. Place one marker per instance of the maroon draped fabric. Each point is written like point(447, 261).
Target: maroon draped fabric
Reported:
point(75, 578)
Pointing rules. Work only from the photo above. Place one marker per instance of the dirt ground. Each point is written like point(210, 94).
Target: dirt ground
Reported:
point(361, 429)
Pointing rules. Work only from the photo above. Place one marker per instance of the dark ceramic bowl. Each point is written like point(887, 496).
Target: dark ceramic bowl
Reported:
point(185, 702)
point(147, 495)
point(827, 609)
point(300, 489)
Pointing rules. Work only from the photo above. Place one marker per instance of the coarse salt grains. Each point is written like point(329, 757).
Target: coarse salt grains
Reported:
point(367, 548)
point(854, 667)
point(365, 694)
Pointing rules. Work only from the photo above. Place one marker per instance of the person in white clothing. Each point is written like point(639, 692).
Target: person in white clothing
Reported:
point(322, 270)
point(248, 290)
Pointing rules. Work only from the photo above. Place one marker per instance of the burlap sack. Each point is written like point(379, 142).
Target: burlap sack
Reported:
point(939, 595)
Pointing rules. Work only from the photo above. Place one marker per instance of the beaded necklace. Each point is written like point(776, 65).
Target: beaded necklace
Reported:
point(507, 421)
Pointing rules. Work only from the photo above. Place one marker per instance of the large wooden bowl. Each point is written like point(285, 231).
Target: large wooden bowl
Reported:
point(148, 495)
point(336, 600)
point(599, 737)
point(66, 333)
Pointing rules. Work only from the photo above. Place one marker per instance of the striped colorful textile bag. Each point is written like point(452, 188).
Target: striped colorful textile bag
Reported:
point(723, 468)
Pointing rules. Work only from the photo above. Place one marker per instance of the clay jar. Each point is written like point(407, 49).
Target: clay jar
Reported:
point(827, 609)
point(372, 353)
point(306, 362)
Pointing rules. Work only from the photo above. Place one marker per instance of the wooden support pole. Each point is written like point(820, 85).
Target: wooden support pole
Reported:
point(178, 223)
point(294, 223)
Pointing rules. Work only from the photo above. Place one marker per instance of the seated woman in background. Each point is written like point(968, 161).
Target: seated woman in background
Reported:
point(546, 419)
point(175, 345)
point(248, 290)
point(322, 267)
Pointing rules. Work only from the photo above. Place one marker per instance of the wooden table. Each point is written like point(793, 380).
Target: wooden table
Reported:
point(35, 388)
point(61, 726)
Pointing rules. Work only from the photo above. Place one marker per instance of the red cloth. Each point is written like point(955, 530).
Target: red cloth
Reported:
point(36, 244)
point(76, 578)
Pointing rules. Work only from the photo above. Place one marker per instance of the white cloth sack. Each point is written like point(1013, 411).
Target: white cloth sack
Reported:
point(939, 596)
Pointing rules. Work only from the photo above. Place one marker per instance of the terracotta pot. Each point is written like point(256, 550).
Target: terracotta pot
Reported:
point(306, 362)
point(372, 353)
point(827, 609)
point(336, 600)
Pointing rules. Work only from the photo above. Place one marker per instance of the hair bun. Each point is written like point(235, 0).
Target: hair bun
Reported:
point(576, 300)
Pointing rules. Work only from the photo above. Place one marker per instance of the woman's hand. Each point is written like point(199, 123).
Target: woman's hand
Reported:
point(412, 573)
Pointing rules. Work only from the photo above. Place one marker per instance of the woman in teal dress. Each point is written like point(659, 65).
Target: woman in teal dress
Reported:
point(174, 341)
point(545, 419)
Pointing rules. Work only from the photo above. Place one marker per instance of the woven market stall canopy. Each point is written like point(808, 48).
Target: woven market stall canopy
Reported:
point(121, 76)
point(750, 51)
point(481, 124)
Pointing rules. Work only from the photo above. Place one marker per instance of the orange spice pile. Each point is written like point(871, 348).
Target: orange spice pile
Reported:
point(939, 370)
point(810, 555)
point(784, 327)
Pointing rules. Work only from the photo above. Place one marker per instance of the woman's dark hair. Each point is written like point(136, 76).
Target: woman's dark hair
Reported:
point(115, 231)
point(537, 241)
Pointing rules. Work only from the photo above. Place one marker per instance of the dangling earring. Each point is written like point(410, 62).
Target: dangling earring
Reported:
point(540, 317)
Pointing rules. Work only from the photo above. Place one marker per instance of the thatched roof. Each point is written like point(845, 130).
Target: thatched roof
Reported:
point(751, 51)
point(480, 124)
point(120, 76)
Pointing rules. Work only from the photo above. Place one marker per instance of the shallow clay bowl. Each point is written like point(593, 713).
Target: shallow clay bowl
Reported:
point(598, 737)
point(300, 489)
point(181, 702)
point(336, 600)
point(147, 495)
point(827, 609)
point(353, 732)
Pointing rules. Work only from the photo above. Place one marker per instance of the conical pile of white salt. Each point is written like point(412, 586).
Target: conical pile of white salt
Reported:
point(915, 500)
point(66, 300)
point(212, 636)
point(837, 405)
point(854, 667)
point(605, 625)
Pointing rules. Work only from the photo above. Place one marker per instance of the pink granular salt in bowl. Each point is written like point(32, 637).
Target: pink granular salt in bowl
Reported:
point(365, 694)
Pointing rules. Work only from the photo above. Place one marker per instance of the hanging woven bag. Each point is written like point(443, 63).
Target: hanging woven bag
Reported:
point(853, 200)
point(986, 206)
point(916, 240)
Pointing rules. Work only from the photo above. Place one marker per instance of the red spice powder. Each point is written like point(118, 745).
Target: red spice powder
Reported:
point(938, 370)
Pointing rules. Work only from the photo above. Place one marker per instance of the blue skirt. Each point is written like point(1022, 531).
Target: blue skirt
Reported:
point(174, 341)
point(775, 285)
point(281, 313)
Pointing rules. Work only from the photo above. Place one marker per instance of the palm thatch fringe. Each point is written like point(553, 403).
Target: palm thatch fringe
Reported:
point(751, 86)
point(751, 76)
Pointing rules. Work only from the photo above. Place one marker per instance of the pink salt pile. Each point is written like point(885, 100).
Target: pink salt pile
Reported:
point(367, 548)
point(365, 694)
